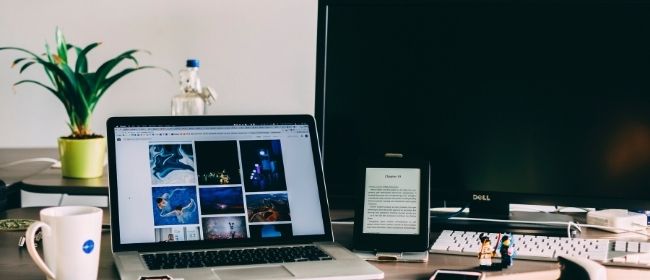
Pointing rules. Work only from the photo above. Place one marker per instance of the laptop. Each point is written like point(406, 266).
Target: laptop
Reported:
point(222, 197)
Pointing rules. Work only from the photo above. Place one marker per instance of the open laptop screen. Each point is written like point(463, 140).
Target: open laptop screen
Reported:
point(219, 181)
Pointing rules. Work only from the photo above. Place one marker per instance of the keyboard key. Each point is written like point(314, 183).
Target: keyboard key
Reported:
point(644, 247)
point(633, 247)
point(620, 246)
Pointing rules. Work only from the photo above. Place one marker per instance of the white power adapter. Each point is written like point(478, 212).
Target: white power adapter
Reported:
point(619, 219)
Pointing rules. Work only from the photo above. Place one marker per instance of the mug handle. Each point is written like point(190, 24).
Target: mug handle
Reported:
point(31, 247)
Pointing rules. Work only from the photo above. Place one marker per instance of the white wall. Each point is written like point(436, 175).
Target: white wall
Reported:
point(259, 55)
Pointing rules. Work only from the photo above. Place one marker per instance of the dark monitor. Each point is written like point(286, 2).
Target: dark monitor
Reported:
point(540, 102)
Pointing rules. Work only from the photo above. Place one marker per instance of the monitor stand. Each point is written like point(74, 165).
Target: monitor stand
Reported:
point(481, 219)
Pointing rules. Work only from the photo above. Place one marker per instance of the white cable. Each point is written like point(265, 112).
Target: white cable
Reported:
point(342, 223)
point(568, 228)
point(22, 161)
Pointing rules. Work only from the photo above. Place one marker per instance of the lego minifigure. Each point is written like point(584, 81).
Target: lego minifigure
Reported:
point(506, 252)
point(486, 252)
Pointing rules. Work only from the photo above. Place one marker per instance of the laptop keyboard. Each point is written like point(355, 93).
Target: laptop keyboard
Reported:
point(173, 260)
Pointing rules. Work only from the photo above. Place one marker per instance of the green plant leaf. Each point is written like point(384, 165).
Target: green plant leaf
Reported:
point(107, 66)
point(76, 49)
point(18, 60)
point(82, 63)
point(105, 69)
point(25, 66)
point(48, 54)
point(83, 81)
point(46, 65)
point(42, 85)
point(61, 77)
point(64, 82)
point(76, 95)
point(71, 46)
point(61, 46)
point(78, 90)
point(19, 49)
point(57, 73)
point(91, 79)
point(85, 91)
point(58, 95)
point(108, 82)
point(69, 75)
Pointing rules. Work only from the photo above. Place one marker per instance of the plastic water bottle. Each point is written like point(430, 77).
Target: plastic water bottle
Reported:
point(191, 100)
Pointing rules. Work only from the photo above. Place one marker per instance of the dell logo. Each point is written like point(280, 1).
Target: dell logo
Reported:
point(481, 197)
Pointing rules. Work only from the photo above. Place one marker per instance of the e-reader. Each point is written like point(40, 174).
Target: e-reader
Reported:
point(392, 213)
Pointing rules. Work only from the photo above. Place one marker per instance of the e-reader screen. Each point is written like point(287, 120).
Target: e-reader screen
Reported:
point(393, 214)
point(391, 201)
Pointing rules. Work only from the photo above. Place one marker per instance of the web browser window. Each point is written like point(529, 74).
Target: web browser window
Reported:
point(188, 183)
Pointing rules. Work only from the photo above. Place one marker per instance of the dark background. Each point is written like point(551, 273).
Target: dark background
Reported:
point(250, 156)
point(214, 156)
point(549, 99)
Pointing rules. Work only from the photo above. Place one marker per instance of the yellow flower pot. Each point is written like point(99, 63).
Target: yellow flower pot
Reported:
point(82, 158)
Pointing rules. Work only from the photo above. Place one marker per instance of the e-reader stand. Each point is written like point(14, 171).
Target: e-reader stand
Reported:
point(393, 256)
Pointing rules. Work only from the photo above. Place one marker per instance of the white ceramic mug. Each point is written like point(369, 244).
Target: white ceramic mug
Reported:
point(71, 242)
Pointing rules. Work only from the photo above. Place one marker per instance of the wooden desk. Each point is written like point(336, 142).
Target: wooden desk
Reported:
point(15, 263)
point(49, 181)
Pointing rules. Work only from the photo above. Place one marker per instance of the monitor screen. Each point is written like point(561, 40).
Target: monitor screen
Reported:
point(536, 101)
point(215, 181)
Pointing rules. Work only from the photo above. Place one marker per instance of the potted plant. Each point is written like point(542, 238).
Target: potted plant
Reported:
point(82, 153)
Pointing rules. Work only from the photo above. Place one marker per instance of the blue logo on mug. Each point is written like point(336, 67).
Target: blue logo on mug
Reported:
point(88, 246)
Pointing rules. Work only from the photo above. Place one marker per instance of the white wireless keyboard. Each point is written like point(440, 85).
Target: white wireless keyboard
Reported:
point(547, 248)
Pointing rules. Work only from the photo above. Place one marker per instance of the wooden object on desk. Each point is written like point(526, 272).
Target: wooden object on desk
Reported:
point(522, 269)
point(51, 181)
point(15, 263)
point(10, 196)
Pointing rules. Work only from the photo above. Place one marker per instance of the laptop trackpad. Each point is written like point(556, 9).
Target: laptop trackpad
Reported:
point(252, 273)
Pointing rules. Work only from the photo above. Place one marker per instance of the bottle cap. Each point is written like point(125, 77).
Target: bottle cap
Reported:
point(192, 63)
